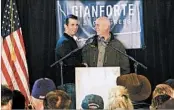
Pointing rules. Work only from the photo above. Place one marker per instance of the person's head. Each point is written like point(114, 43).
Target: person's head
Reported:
point(6, 98)
point(92, 101)
point(102, 27)
point(163, 89)
point(161, 93)
point(71, 25)
point(69, 88)
point(57, 99)
point(36, 104)
point(159, 100)
point(40, 88)
point(18, 100)
point(119, 99)
point(170, 82)
point(138, 86)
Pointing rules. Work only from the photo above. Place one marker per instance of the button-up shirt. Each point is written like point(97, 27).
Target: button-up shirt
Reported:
point(101, 52)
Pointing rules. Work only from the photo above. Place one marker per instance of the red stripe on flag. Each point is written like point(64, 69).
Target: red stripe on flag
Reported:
point(6, 74)
point(21, 39)
point(7, 51)
point(19, 58)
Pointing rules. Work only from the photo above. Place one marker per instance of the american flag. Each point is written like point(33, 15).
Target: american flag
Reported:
point(14, 70)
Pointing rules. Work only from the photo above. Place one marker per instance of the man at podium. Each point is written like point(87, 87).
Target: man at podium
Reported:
point(100, 53)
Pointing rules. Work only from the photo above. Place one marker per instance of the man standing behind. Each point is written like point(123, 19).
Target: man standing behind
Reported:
point(65, 45)
point(101, 55)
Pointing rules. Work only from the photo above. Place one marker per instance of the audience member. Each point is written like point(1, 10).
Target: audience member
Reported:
point(139, 88)
point(158, 101)
point(40, 88)
point(161, 96)
point(6, 98)
point(18, 100)
point(170, 82)
point(57, 99)
point(92, 101)
point(69, 88)
point(163, 89)
point(119, 99)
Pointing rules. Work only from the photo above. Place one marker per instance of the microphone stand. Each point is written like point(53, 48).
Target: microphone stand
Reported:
point(136, 63)
point(60, 61)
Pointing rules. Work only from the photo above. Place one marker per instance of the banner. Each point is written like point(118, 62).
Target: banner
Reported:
point(125, 16)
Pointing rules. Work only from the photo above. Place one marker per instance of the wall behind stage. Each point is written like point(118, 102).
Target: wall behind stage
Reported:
point(38, 20)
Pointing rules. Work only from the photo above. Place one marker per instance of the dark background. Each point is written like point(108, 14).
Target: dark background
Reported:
point(38, 21)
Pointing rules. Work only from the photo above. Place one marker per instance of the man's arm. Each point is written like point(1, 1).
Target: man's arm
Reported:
point(64, 49)
point(84, 55)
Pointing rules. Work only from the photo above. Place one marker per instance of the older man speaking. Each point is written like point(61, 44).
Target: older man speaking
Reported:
point(100, 53)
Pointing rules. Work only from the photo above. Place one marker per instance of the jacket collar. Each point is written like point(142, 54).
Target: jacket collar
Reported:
point(68, 36)
point(95, 41)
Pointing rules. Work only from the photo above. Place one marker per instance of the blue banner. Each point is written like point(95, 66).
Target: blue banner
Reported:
point(125, 16)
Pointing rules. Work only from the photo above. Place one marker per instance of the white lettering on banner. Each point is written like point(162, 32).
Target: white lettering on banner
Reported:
point(96, 11)
point(87, 12)
point(121, 21)
point(102, 10)
point(131, 9)
point(113, 21)
point(109, 10)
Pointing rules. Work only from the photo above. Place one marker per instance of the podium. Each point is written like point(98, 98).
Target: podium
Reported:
point(95, 80)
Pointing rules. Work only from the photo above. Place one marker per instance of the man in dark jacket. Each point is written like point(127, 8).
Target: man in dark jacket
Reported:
point(65, 45)
point(98, 54)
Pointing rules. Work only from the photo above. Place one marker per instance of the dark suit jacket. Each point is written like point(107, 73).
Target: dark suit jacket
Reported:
point(65, 45)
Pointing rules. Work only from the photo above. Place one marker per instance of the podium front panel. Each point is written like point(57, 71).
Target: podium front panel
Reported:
point(95, 80)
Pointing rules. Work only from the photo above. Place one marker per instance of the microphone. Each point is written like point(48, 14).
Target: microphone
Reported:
point(90, 40)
